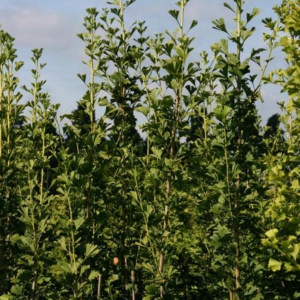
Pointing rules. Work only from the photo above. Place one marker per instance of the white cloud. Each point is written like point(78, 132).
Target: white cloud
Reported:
point(35, 28)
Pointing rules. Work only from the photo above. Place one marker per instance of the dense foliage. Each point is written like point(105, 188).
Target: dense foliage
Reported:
point(204, 207)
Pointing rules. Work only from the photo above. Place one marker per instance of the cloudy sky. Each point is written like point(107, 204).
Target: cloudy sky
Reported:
point(53, 25)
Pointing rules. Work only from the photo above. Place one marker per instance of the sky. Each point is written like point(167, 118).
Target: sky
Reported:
point(53, 25)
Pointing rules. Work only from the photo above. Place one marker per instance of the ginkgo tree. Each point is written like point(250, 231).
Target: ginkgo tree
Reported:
point(203, 205)
point(282, 174)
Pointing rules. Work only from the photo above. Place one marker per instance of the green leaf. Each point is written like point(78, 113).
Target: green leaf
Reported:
point(295, 252)
point(63, 267)
point(93, 275)
point(150, 291)
point(174, 13)
point(82, 77)
point(156, 152)
point(91, 250)
point(220, 25)
point(222, 46)
point(78, 223)
point(5, 297)
point(104, 154)
point(62, 242)
point(194, 23)
point(180, 52)
point(112, 278)
point(19, 65)
point(290, 107)
point(271, 234)
point(134, 195)
point(143, 109)
point(42, 225)
point(17, 290)
point(289, 267)
point(222, 112)
point(229, 7)
point(171, 272)
point(274, 265)
point(253, 14)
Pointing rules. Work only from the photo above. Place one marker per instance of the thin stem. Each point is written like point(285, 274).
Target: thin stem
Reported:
point(73, 257)
point(145, 217)
point(272, 46)
point(42, 170)
point(35, 90)
point(35, 239)
point(99, 287)
point(237, 196)
point(33, 286)
point(182, 17)
point(161, 261)
point(8, 112)
point(133, 285)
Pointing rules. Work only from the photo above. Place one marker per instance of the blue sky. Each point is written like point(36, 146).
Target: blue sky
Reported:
point(53, 25)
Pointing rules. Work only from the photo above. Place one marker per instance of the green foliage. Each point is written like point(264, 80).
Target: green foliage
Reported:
point(206, 207)
point(282, 173)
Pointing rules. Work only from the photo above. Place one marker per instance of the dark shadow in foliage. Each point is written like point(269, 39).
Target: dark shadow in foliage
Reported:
point(244, 122)
point(125, 96)
point(81, 123)
point(273, 126)
point(51, 130)
point(126, 120)
point(273, 138)
point(80, 120)
point(197, 130)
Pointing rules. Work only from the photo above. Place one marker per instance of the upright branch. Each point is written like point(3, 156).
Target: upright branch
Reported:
point(237, 112)
point(10, 117)
point(180, 45)
point(94, 51)
point(237, 196)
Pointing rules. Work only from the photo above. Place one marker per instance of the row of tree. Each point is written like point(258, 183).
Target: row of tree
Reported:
point(206, 207)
